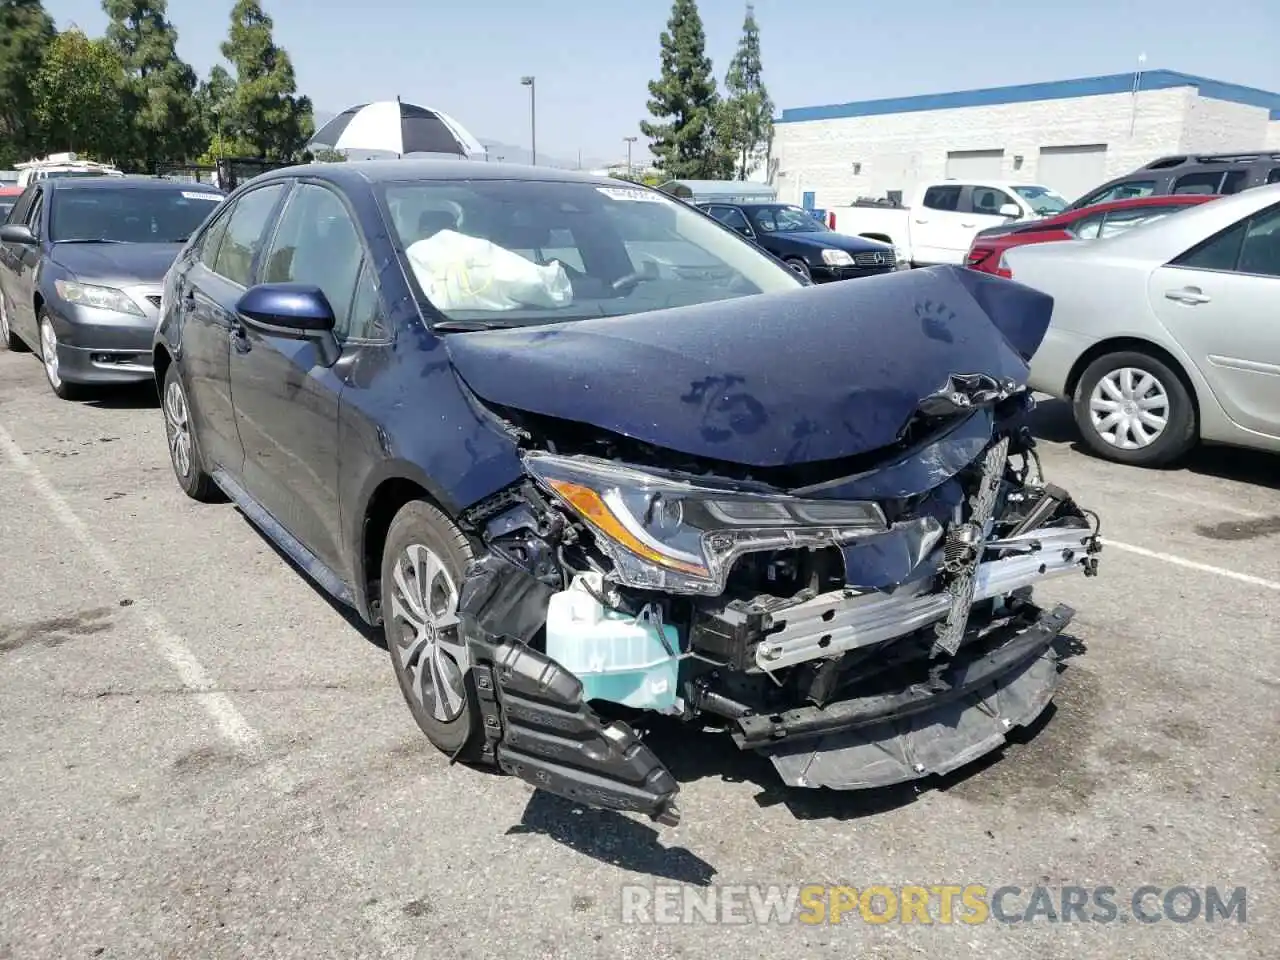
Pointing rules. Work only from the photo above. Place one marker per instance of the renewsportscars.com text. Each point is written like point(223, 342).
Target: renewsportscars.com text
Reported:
point(932, 904)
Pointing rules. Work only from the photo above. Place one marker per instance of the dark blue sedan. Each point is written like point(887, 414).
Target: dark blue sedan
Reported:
point(583, 451)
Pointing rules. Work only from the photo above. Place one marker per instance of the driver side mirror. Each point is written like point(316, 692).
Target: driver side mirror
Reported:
point(1010, 210)
point(17, 233)
point(294, 311)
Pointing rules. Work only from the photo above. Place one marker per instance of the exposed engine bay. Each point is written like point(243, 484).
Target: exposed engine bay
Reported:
point(860, 622)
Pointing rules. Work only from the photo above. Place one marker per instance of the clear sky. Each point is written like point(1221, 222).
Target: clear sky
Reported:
point(593, 60)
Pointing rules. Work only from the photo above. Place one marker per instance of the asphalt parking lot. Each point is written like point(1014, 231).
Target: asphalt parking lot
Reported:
point(201, 757)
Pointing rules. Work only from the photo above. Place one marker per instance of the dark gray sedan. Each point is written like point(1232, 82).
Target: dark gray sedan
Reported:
point(81, 265)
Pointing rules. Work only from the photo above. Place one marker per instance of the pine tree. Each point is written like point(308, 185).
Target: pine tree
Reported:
point(158, 88)
point(265, 111)
point(747, 117)
point(25, 33)
point(683, 101)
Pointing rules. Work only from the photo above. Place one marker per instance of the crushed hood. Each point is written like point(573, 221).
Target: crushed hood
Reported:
point(813, 374)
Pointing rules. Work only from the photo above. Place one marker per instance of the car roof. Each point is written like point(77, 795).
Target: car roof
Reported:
point(393, 171)
point(127, 183)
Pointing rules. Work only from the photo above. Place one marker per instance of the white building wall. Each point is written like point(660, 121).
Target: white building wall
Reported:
point(1273, 135)
point(899, 151)
point(1216, 125)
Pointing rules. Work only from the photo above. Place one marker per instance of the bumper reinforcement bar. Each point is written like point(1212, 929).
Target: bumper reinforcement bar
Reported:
point(963, 677)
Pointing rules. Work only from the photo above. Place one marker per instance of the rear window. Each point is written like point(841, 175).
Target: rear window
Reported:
point(942, 198)
point(1122, 191)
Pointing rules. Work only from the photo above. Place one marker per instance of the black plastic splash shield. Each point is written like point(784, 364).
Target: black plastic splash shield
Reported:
point(880, 741)
point(535, 722)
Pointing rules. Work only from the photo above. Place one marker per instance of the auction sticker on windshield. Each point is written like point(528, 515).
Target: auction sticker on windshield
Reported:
point(192, 195)
point(623, 193)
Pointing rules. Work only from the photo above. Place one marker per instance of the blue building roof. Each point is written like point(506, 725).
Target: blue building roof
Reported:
point(1031, 92)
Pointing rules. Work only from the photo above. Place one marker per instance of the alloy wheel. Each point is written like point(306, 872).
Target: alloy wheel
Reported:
point(49, 352)
point(178, 427)
point(1129, 408)
point(426, 634)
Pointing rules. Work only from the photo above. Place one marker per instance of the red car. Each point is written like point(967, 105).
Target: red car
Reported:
point(1100, 220)
point(8, 197)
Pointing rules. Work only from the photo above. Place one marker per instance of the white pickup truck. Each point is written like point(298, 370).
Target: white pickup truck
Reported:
point(945, 215)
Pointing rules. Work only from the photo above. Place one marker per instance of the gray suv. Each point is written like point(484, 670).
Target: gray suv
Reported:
point(1207, 173)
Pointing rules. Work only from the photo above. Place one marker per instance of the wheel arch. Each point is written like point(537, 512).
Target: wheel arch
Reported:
point(387, 495)
point(1137, 345)
point(161, 360)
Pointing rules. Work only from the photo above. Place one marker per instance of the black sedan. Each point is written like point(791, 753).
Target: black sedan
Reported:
point(804, 243)
point(81, 263)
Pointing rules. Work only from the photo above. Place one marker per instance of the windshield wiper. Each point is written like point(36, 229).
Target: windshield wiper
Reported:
point(468, 326)
point(89, 240)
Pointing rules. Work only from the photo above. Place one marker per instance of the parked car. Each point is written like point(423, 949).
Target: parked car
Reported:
point(580, 449)
point(62, 165)
point(81, 261)
point(1167, 333)
point(1103, 220)
point(1201, 173)
point(8, 197)
point(945, 215)
point(805, 244)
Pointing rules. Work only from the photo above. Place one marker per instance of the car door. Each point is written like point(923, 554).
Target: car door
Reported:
point(26, 265)
point(936, 232)
point(1218, 300)
point(217, 272)
point(286, 400)
point(10, 261)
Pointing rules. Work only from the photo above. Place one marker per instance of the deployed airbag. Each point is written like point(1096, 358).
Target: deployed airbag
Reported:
point(461, 272)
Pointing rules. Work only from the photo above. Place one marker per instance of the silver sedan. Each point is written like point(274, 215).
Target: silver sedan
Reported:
point(1169, 333)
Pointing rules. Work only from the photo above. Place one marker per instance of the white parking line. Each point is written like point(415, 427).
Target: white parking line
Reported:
point(230, 722)
point(1194, 565)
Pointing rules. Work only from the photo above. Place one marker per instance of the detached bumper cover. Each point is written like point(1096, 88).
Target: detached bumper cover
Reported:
point(966, 712)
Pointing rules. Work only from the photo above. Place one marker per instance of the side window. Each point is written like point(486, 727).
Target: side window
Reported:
point(317, 243)
point(733, 218)
point(988, 201)
point(19, 212)
point(1118, 221)
point(243, 236)
point(1207, 182)
point(1235, 181)
point(1122, 191)
point(942, 198)
point(33, 215)
point(1087, 228)
point(1260, 254)
point(1217, 253)
point(1274, 175)
point(207, 252)
point(366, 309)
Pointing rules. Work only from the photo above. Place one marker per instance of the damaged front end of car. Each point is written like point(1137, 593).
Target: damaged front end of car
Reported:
point(861, 620)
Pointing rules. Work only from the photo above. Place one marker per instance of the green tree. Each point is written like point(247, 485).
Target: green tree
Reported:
point(747, 116)
point(77, 95)
point(25, 33)
point(264, 110)
point(157, 88)
point(325, 155)
point(213, 104)
point(683, 101)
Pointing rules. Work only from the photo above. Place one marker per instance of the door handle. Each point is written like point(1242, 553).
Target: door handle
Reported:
point(1188, 295)
point(968, 224)
point(922, 221)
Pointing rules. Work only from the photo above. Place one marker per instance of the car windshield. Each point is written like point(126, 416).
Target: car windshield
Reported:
point(1042, 200)
point(517, 252)
point(128, 215)
point(786, 220)
point(64, 174)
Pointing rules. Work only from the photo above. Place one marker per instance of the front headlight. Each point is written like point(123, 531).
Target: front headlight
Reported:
point(682, 537)
point(836, 258)
point(92, 295)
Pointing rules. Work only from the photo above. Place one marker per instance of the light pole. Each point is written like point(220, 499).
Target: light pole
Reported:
point(533, 119)
point(630, 141)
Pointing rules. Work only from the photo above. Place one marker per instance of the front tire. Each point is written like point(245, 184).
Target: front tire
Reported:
point(800, 267)
point(52, 366)
point(423, 565)
point(8, 339)
point(1134, 409)
point(188, 464)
